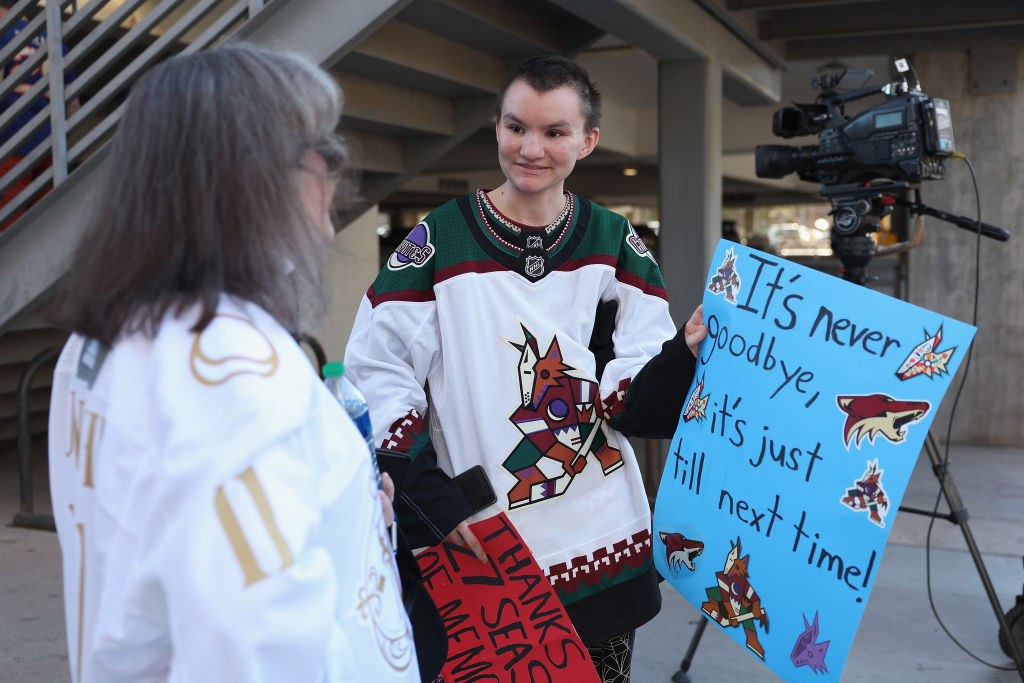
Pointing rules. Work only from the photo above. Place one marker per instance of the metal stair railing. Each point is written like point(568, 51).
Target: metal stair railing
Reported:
point(80, 40)
point(26, 515)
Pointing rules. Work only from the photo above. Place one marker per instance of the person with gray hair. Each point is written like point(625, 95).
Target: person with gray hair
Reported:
point(216, 508)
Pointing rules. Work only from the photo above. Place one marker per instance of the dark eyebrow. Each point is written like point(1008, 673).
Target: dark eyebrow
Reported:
point(511, 118)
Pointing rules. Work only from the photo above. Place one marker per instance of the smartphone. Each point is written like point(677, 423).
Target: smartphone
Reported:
point(477, 489)
point(396, 464)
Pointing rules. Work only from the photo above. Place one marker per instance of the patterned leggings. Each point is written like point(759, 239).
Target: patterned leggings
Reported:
point(612, 657)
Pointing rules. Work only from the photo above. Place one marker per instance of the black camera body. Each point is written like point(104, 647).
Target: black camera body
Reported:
point(904, 138)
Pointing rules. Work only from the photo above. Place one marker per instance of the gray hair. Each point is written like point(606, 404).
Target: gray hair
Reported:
point(202, 195)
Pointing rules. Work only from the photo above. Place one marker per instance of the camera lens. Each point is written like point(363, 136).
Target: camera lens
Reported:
point(774, 161)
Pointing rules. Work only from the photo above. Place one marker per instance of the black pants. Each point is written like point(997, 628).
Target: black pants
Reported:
point(612, 657)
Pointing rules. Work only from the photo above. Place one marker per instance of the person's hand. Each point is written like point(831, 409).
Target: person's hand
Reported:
point(695, 330)
point(387, 498)
point(461, 535)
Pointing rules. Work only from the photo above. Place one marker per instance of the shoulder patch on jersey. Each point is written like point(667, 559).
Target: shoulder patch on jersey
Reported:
point(637, 243)
point(415, 249)
point(230, 346)
point(93, 355)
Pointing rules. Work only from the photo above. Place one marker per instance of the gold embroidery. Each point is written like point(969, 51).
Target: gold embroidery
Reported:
point(236, 537)
point(204, 368)
point(259, 496)
point(81, 597)
point(394, 640)
point(92, 438)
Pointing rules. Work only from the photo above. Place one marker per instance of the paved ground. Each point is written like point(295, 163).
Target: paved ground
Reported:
point(899, 638)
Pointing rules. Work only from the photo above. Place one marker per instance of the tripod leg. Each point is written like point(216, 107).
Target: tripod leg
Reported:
point(681, 676)
point(959, 513)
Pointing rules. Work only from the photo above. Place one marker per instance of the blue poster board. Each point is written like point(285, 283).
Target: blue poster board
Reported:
point(811, 401)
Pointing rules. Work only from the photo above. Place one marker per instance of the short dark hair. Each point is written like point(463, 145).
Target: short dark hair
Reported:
point(548, 72)
point(202, 196)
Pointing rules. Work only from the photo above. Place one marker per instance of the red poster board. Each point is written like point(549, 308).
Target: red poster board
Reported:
point(503, 620)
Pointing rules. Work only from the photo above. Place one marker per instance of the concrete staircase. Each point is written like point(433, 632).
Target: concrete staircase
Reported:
point(419, 77)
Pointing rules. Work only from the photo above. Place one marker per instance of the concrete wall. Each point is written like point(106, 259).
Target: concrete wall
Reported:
point(354, 265)
point(989, 129)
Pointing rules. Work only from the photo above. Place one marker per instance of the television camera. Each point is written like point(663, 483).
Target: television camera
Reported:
point(869, 162)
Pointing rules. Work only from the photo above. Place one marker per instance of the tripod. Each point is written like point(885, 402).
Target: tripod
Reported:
point(856, 211)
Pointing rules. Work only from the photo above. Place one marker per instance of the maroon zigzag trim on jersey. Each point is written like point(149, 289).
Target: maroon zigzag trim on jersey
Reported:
point(402, 434)
point(615, 402)
point(399, 295)
point(467, 267)
point(607, 563)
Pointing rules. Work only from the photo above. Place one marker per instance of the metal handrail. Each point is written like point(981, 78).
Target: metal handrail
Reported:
point(145, 33)
point(26, 515)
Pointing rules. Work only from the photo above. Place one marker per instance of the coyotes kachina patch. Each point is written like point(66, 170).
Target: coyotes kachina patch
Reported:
point(867, 494)
point(557, 416)
point(726, 280)
point(734, 602)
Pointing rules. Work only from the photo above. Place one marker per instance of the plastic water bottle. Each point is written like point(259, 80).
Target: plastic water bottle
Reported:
point(352, 400)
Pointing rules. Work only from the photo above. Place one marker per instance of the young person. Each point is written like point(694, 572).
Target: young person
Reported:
point(216, 508)
point(490, 304)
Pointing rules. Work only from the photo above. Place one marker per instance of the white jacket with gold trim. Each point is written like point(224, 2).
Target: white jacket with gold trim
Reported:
point(217, 513)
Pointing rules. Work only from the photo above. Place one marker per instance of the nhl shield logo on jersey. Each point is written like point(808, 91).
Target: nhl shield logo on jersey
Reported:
point(415, 249)
point(534, 266)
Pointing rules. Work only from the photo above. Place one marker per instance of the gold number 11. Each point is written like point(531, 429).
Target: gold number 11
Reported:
point(239, 544)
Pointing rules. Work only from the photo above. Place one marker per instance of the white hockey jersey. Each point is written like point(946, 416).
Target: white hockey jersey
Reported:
point(217, 513)
point(494, 319)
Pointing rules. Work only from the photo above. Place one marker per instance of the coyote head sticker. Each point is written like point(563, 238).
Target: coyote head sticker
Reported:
point(806, 652)
point(680, 551)
point(876, 414)
point(926, 359)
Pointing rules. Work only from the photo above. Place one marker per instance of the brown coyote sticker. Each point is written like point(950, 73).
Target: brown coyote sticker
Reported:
point(876, 414)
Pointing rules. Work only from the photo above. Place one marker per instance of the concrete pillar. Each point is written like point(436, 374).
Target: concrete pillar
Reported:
point(354, 263)
point(987, 129)
point(690, 158)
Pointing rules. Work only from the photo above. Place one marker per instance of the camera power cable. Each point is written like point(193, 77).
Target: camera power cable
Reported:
point(949, 430)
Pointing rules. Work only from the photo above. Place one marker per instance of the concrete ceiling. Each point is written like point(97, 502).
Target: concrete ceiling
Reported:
point(798, 39)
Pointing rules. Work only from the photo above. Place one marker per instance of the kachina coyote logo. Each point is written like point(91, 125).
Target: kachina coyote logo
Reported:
point(876, 414)
point(558, 418)
point(867, 494)
point(734, 602)
point(726, 279)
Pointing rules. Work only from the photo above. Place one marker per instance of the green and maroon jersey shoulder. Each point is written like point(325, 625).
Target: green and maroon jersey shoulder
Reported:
point(456, 239)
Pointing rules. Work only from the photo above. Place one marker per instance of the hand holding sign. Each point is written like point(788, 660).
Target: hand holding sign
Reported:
point(503, 620)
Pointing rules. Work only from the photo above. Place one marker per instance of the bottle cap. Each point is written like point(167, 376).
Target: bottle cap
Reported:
point(334, 369)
